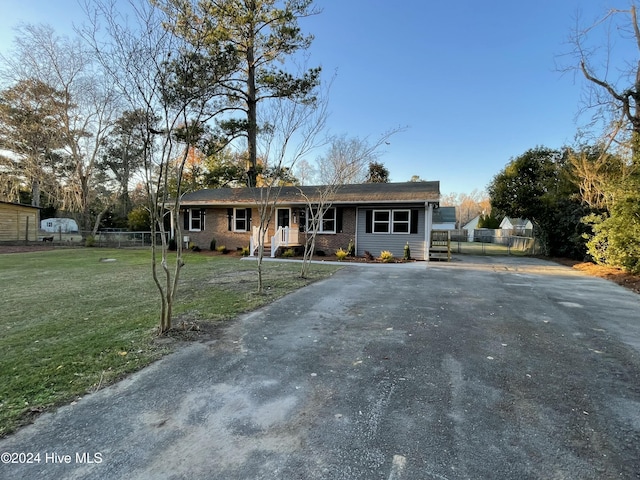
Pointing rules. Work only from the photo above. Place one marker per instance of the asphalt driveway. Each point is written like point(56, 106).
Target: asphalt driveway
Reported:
point(482, 368)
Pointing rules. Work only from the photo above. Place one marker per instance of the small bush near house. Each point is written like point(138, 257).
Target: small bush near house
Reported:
point(341, 254)
point(222, 249)
point(386, 256)
point(368, 256)
point(407, 252)
point(244, 252)
point(288, 253)
point(212, 244)
point(351, 249)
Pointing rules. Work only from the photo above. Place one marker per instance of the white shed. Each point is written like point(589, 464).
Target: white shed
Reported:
point(59, 225)
point(471, 226)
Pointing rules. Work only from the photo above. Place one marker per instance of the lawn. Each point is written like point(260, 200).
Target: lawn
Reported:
point(72, 324)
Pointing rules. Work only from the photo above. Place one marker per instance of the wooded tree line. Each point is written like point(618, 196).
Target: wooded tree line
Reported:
point(585, 201)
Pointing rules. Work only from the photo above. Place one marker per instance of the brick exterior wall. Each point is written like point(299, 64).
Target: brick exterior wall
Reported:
point(330, 242)
point(216, 226)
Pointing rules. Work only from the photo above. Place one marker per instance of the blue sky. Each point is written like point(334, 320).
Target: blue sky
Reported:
point(475, 83)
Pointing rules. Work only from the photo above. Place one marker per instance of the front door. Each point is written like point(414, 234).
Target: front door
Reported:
point(283, 217)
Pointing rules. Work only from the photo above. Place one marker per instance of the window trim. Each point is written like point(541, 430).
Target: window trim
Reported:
point(236, 218)
point(375, 222)
point(406, 222)
point(199, 218)
point(321, 223)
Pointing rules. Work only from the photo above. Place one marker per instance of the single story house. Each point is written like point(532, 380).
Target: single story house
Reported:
point(18, 222)
point(375, 216)
point(59, 225)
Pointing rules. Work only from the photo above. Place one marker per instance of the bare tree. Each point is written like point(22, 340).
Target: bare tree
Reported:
point(347, 161)
point(87, 105)
point(468, 205)
point(614, 93)
point(175, 85)
point(293, 131)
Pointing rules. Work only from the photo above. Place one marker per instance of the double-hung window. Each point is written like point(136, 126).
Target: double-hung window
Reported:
point(381, 221)
point(241, 221)
point(327, 224)
point(195, 220)
point(401, 219)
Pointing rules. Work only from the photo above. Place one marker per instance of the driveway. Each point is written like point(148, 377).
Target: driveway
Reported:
point(482, 368)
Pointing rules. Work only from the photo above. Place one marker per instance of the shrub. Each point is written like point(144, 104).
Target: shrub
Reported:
point(368, 256)
point(222, 249)
point(341, 254)
point(172, 246)
point(386, 256)
point(244, 251)
point(90, 241)
point(351, 249)
point(407, 252)
point(212, 245)
point(288, 253)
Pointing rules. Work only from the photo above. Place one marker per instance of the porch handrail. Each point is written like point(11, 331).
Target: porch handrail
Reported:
point(283, 237)
point(254, 241)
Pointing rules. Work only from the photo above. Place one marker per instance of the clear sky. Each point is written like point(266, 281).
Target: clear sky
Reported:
point(475, 82)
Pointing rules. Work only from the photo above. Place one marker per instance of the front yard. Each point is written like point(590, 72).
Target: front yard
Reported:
point(72, 324)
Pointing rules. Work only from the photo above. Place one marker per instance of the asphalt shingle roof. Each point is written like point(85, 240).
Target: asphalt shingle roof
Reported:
point(356, 193)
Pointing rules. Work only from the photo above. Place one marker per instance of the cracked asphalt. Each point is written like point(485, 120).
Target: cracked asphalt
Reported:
point(481, 368)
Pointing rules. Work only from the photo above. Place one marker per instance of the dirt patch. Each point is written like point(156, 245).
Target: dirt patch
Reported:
point(622, 278)
point(32, 247)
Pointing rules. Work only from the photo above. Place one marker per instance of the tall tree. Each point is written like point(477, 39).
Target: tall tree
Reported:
point(613, 76)
point(87, 104)
point(378, 173)
point(30, 122)
point(123, 152)
point(537, 186)
point(262, 36)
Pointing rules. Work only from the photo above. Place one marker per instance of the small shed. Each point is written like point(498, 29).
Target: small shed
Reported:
point(18, 222)
point(471, 226)
point(59, 225)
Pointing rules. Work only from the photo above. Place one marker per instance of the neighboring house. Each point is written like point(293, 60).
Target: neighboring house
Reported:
point(517, 226)
point(59, 225)
point(471, 226)
point(376, 216)
point(444, 218)
point(18, 222)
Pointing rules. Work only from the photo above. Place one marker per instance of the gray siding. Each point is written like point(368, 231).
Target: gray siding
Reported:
point(374, 243)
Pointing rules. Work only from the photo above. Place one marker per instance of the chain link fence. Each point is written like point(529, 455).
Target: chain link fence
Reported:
point(494, 242)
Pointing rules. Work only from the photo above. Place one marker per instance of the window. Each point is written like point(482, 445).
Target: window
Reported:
point(196, 219)
point(327, 223)
point(401, 221)
point(240, 220)
point(381, 221)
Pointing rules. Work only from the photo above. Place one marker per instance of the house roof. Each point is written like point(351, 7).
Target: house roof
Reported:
point(514, 222)
point(406, 192)
point(20, 205)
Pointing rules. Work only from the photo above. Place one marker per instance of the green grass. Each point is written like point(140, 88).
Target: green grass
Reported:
point(71, 324)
